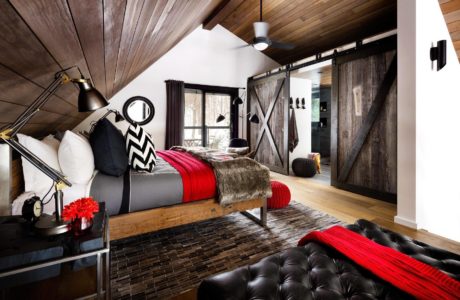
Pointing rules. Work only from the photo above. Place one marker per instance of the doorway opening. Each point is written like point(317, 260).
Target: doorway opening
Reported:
point(310, 91)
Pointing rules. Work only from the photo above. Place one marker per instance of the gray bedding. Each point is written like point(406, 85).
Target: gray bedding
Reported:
point(137, 191)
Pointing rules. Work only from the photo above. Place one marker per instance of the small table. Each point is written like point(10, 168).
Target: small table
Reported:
point(26, 257)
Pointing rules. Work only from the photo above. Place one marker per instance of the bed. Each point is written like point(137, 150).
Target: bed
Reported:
point(183, 188)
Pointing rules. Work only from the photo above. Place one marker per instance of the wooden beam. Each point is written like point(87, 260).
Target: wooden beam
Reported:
point(140, 222)
point(374, 111)
point(220, 13)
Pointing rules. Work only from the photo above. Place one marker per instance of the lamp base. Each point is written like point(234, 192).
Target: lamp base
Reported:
point(47, 225)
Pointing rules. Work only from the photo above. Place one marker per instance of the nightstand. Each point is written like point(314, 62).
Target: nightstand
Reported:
point(26, 257)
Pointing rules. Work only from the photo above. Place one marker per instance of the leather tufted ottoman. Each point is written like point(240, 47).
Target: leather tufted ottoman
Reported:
point(281, 195)
point(315, 271)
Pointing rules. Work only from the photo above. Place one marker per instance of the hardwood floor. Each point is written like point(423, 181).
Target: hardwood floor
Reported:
point(349, 207)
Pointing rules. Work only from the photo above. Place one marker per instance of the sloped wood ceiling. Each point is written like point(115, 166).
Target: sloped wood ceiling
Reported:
point(451, 11)
point(112, 41)
point(313, 26)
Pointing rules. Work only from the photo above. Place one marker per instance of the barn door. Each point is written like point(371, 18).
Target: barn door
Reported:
point(268, 98)
point(363, 137)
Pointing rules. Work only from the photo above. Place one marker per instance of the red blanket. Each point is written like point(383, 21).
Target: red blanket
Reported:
point(198, 177)
point(406, 273)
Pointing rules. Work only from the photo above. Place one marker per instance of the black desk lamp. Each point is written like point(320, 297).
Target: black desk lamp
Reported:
point(89, 99)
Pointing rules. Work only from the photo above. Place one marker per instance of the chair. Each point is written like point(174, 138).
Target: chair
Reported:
point(238, 143)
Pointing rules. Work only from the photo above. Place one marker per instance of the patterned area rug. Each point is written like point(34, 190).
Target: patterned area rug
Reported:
point(165, 263)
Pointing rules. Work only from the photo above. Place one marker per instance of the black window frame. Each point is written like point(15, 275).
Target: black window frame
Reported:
point(233, 92)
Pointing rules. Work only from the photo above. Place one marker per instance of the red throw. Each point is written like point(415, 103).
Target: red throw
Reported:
point(198, 177)
point(408, 274)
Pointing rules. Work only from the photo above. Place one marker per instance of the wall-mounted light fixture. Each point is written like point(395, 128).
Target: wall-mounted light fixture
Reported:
point(438, 53)
point(239, 99)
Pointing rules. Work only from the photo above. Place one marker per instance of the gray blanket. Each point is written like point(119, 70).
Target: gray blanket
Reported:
point(238, 179)
point(137, 191)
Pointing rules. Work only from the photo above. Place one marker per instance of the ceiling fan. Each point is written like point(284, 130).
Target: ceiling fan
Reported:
point(261, 40)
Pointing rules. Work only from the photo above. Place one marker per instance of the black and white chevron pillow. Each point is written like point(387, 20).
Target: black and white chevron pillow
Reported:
point(140, 148)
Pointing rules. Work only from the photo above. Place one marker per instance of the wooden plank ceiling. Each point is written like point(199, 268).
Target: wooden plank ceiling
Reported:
point(313, 26)
point(112, 41)
point(451, 11)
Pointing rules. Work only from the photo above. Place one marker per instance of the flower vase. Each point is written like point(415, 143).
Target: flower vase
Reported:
point(81, 225)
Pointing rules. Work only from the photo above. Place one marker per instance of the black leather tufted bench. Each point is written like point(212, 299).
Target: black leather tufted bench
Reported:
point(315, 271)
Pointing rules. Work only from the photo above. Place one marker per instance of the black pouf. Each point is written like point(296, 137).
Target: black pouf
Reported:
point(304, 167)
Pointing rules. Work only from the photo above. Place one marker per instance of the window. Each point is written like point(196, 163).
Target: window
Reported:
point(203, 104)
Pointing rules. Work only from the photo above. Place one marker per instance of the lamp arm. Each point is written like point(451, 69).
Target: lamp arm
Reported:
point(39, 101)
point(56, 176)
point(22, 122)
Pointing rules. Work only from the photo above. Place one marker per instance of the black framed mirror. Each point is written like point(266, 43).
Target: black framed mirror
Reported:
point(139, 110)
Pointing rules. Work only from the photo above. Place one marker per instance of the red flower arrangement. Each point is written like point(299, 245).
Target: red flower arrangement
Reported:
point(81, 208)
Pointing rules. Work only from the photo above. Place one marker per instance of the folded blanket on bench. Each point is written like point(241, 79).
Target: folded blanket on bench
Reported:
point(410, 275)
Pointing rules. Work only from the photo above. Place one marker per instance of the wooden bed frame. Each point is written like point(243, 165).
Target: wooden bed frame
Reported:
point(145, 221)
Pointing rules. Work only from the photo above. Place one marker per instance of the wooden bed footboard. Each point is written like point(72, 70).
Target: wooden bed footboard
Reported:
point(145, 221)
point(136, 223)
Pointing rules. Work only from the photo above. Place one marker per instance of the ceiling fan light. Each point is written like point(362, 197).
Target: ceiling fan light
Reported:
point(261, 46)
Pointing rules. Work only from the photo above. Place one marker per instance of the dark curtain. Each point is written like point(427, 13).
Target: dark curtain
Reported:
point(174, 113)
point(234, 113)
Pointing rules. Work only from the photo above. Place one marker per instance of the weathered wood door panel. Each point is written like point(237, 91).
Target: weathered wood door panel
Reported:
point(267, 97)
point(364, 123)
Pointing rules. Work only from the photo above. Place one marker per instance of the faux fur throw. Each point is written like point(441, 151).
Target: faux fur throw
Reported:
point(238, 179)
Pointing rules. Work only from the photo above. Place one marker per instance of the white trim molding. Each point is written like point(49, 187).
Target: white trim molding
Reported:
point(406, 222)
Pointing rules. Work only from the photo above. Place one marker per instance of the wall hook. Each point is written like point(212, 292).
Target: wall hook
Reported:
point(291, 103)
point(303, 103)
point(297, 103)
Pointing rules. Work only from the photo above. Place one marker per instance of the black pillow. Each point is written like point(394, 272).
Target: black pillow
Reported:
point(109, 151)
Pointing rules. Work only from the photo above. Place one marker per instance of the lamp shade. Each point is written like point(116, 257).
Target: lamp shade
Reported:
point(118, 117)
point(238, 101)
point(254, 119)
point(220, 118)
point(89, 98)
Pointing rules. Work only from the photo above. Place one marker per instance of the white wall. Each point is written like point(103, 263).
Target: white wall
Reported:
point(301, 88)
point(203, 57)
point(406, 114)
point(437, 142)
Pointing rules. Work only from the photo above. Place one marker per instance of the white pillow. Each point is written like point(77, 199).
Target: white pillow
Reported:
point(76, 158)
point(51, 141)
point(34, 179)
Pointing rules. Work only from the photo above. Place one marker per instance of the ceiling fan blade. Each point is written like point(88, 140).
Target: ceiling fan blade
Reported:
point(280, 45)
point(242, 46)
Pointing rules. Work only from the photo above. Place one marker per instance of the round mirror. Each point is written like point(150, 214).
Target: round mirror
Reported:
point(138, 110)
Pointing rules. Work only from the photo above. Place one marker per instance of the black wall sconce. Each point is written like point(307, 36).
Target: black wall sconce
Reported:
point(438, 53)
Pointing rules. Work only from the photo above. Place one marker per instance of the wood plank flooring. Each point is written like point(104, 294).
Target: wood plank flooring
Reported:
point(349, 207)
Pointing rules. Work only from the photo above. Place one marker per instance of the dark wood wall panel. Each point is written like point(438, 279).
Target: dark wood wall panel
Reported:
point(112, 41)
point(114, 13)
point(21, 91)
point(451, 11)
point(132, 12)
point(268, 98)
point(313, 26)
point(52, 23)
point(373, 170)
point(88, 17)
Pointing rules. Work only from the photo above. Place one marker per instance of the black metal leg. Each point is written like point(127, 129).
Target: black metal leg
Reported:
point(107, 276)
point(262, 219)
point(99, 275)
